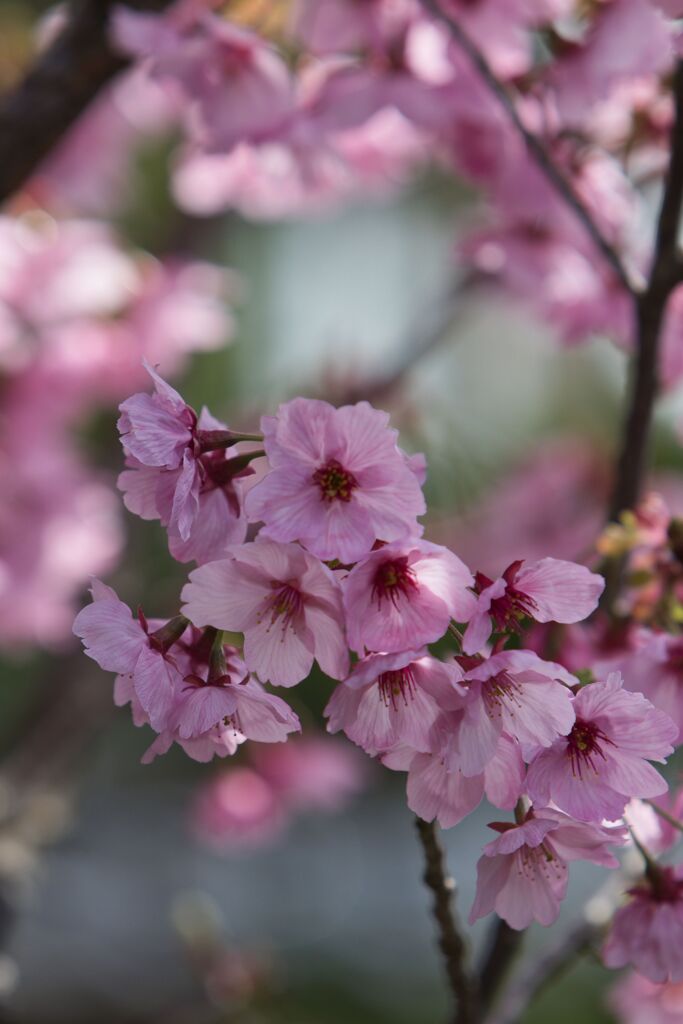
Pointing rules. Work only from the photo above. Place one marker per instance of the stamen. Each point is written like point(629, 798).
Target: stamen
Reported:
point(394, 685)
point(393, 579)
point(335, 482)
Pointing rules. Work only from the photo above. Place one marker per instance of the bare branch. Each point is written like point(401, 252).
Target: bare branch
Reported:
point(38, 111)
point(665, 274)
point(451, 942)
point(503, 948)
point(535, 147)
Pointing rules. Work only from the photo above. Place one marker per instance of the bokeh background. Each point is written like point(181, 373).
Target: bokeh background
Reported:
point(113, 905)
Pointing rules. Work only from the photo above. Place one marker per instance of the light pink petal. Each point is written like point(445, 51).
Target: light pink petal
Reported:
point(157, 685)
point(479, 735)
point(263, 716)
point(562, 591)
point(139, 487)
point(478, 631)
point(276, 653)
point(492, 876)
point(331, 651)
point(504, 774)
point(202, 707)
point(186, 497)
point(220, 594)
point(632, 776)
point(434, 792)
point(110, 635)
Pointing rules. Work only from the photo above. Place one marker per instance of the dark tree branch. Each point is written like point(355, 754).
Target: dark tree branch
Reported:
point(535, 147)
point(503, 947)
point(38, 111)
point(451, 942)
point(666, 273)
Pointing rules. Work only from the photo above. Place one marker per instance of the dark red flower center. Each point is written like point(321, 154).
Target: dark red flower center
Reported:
point(285, 604)
point(585, 747)
point(396, 686)
point(335, 482)
point(514, 605)
point(394, 579)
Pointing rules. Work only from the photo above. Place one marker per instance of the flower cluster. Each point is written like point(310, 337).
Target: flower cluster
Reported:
point(334, 569)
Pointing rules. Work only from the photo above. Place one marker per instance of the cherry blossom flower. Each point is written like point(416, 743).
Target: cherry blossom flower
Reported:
point(648, 931)
point(393, 700)
point(220, 741)
point(119, 643)
point(219, 520)
point(515, 693)
point(603, 762)
point(523, 874)
point(338, 481)
point(547, 591)
point(404, 595)
point(287, 604)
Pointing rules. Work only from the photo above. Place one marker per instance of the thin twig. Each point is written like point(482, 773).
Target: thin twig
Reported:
point(665, 274)
point(57, 88)
point(503, 948)
point(451, 942)
point(544, 970)
point(535, 147)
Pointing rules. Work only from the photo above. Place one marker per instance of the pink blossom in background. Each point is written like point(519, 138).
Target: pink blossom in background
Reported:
point(655, 668)
point(636, 1000)
point(547, 591)
point(404, 595)
point(338, 480)
point(248, 806)
point(234, 86)
point(647, 932)
point(393, 700)
point(312, 773)
point(627, 38)
point(286, 602)
point(653, 831)
point(523, 873)
point(237, 809)
point(552, 503)
point(515, 693)
point(592, 773)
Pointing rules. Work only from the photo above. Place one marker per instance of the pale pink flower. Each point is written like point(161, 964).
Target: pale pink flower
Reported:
point(175, 476)
point(237, 809)
point(393, 700)
point(648, 931)
point(514, 693)
point(119, 643)
point(222, 694)
point(404, 595)
point(523, 874)
point(603, 762)
point(217, 522)
point(547, 591)
point(637, 1000)
point(438, 788)
point(338, 481)
point(286, 602)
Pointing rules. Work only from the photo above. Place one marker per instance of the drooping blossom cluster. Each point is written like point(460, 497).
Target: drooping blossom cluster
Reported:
point(77, 314)
point(323, 560)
